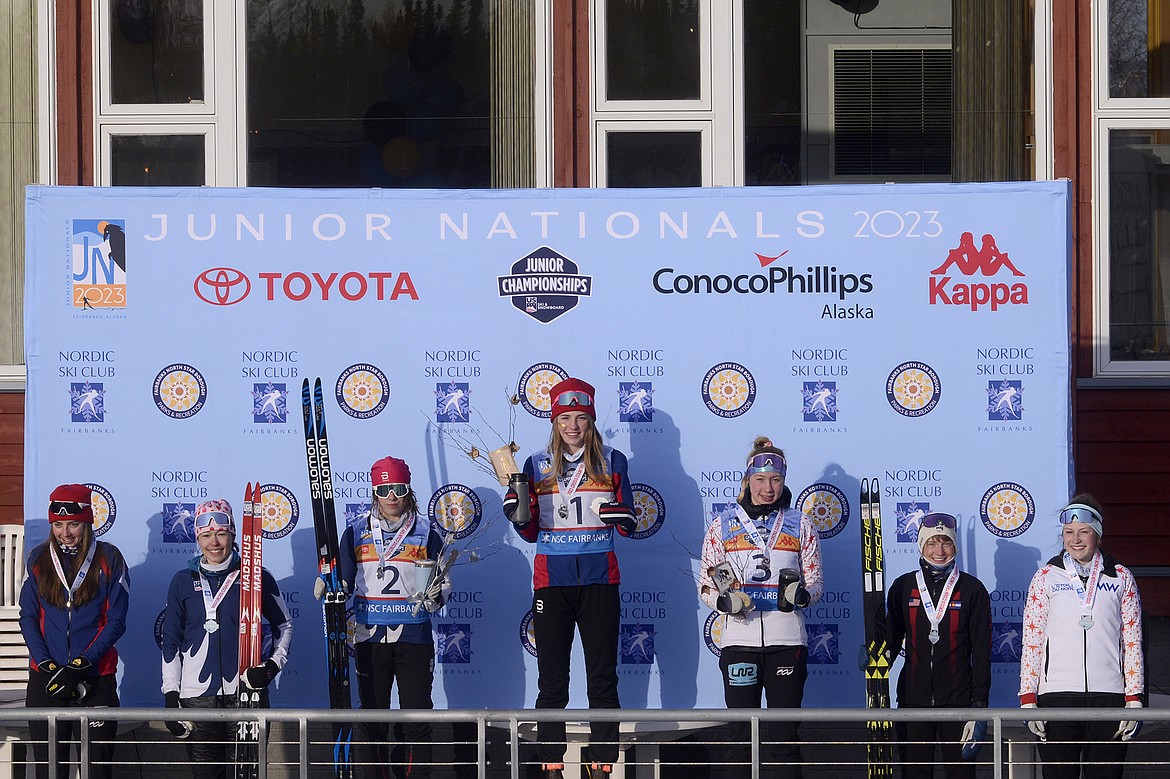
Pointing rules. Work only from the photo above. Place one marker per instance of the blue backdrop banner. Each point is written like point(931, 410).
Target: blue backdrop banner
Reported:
point(916, 334)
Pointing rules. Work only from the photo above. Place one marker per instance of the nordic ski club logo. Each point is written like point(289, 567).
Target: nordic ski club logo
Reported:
point(729, 390)
point(179, 391)
point(908, 517)
point(105, 510)
point(988, 261)
point(362, 391)
point(819, 401)
point(178, 523)
point(356, 513)
point(649, 510)
point(1007, 642)
point(453, 643)
point(635, 401)
point(98, 264)
point(279, 511)
point(1007, 509)
point(534, 386)
point(826, 507)
point(636, 644)
point(457, 509)
point(269, 403)
point(824, 644)
point(453, 402)
point(913, 389)
point(87, 401)
point(1005, 400)
point(544, 285)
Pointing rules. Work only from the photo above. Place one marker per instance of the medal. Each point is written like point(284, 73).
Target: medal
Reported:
point(1085, 622)
point(211, 626)
point(933, 635)
point(563, 511)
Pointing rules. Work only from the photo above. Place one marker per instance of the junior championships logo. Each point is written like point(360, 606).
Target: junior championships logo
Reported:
point(826, 507)
point(544, 285)
point(179, 391)
point(457, 509)
point(1007, 509)
point(729, 390)
point(913, 389)
point(534, 387)
point(105, 510)
point(649, 510)
point(279, 510)
point(362, 391)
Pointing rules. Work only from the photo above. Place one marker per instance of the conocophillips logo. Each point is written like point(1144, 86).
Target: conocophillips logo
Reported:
point(179, 391)
point(224, 286)
point(1007, 509)
point(544, 284)
point(826, 507)
point(105, 510)
point(279, 510)
point(729, 390)
point(814, 280)
point(649, 510)
point(457, 509)
point(362, 391)
point(913, 389)
point(534, 386)
point(987, 260)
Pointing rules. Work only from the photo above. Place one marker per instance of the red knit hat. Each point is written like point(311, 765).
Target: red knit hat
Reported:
point(389, 470)
point(71, 503)
point(572, 395)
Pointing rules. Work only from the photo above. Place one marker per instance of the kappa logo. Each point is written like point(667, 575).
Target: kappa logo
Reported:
point(988, 261)
point(544, 285)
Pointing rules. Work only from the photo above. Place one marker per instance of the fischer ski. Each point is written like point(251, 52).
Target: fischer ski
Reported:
point(247, 762)
point(334, 602)
point(879, 752)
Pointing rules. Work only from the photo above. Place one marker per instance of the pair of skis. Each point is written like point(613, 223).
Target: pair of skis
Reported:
point(879, 749)
point(325, 528)
point(247, 763)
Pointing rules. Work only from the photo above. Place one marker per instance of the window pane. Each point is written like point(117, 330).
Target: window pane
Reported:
point(652, 50)
point(772, 79)
point(158, 160)
point(387, 94)
point(654, 159)
point(1139, 32)
point(156, 51)
point(1139, 244)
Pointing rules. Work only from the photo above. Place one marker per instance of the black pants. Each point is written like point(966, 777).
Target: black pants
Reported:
point(917, 743)
point(412, 667)
point(1071, 744)
point(211, 745)
point(594, 610)
point(748, 674)
point(103, 693)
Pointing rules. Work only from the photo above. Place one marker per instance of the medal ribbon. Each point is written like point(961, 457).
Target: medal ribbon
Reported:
point(81, 572)
point(933, 613)
point(386, 553)
point(1087, 593)
point(210, 605)
point(753, 535)
point(568, 487)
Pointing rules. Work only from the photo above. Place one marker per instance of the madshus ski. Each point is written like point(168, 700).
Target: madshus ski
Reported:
point(247, 762)
point(325, 527)
point(879, 751)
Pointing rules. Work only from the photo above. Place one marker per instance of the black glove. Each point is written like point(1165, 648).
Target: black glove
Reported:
point(791, 594)
point(64, 683)
point(180, 729)
point(618, 514)
point(261, 676)
point(734, 602)
point(512, 502)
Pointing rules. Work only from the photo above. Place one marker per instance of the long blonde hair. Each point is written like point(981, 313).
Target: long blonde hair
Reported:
point(595, 466)
point(760, 445)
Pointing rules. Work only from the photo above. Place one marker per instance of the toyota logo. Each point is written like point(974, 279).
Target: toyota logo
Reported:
point(222, 286)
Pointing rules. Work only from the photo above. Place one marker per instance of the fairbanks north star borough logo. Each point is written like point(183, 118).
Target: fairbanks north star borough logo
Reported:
point(105, 510)
point(729, 390)
point(826, 507)
point(1007, 509)
point(534, 387)
point(362, 391)
point(179, 391)
point(457, 509)
point(544, 284)
point(913, 389)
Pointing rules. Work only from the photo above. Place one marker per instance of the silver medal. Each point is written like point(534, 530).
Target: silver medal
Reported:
point(1085, 622)
point(211, 626)
point(933, 635)
point(563, 512)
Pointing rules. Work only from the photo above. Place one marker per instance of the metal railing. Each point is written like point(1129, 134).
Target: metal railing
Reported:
point(642, 728)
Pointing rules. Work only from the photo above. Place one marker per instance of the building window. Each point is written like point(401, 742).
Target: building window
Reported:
point(156, 52)
point(157, 160)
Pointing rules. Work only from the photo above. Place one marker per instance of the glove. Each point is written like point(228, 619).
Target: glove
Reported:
point(1036, 726)
point(182, 728)
point(261, 676)
point(618, 514)
point(512, 502)
point(791, 593)
point(734, 602)
point(64, 683)
point(974, 732)
point(1129, 728)
point(318, 588)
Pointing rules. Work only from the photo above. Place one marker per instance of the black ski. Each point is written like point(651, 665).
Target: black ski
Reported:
point(877, 662)
point(325, 527)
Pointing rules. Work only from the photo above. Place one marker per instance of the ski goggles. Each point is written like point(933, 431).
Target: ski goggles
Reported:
point(213, 520)
point(66, 508)
point(939, 519)
point(397, 490)
point(767, 463)
point(1079, 512)
point(573, 398)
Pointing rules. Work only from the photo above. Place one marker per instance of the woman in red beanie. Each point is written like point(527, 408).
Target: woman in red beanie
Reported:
point(72, 611)
point(578, 493)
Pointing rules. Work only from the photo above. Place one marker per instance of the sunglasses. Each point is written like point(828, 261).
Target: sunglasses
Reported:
point(938, 519)
point(398, 490)
point(66, 508)
point(573, 398)
point(212, 519)
point(768, 463)
point(1079, 513)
